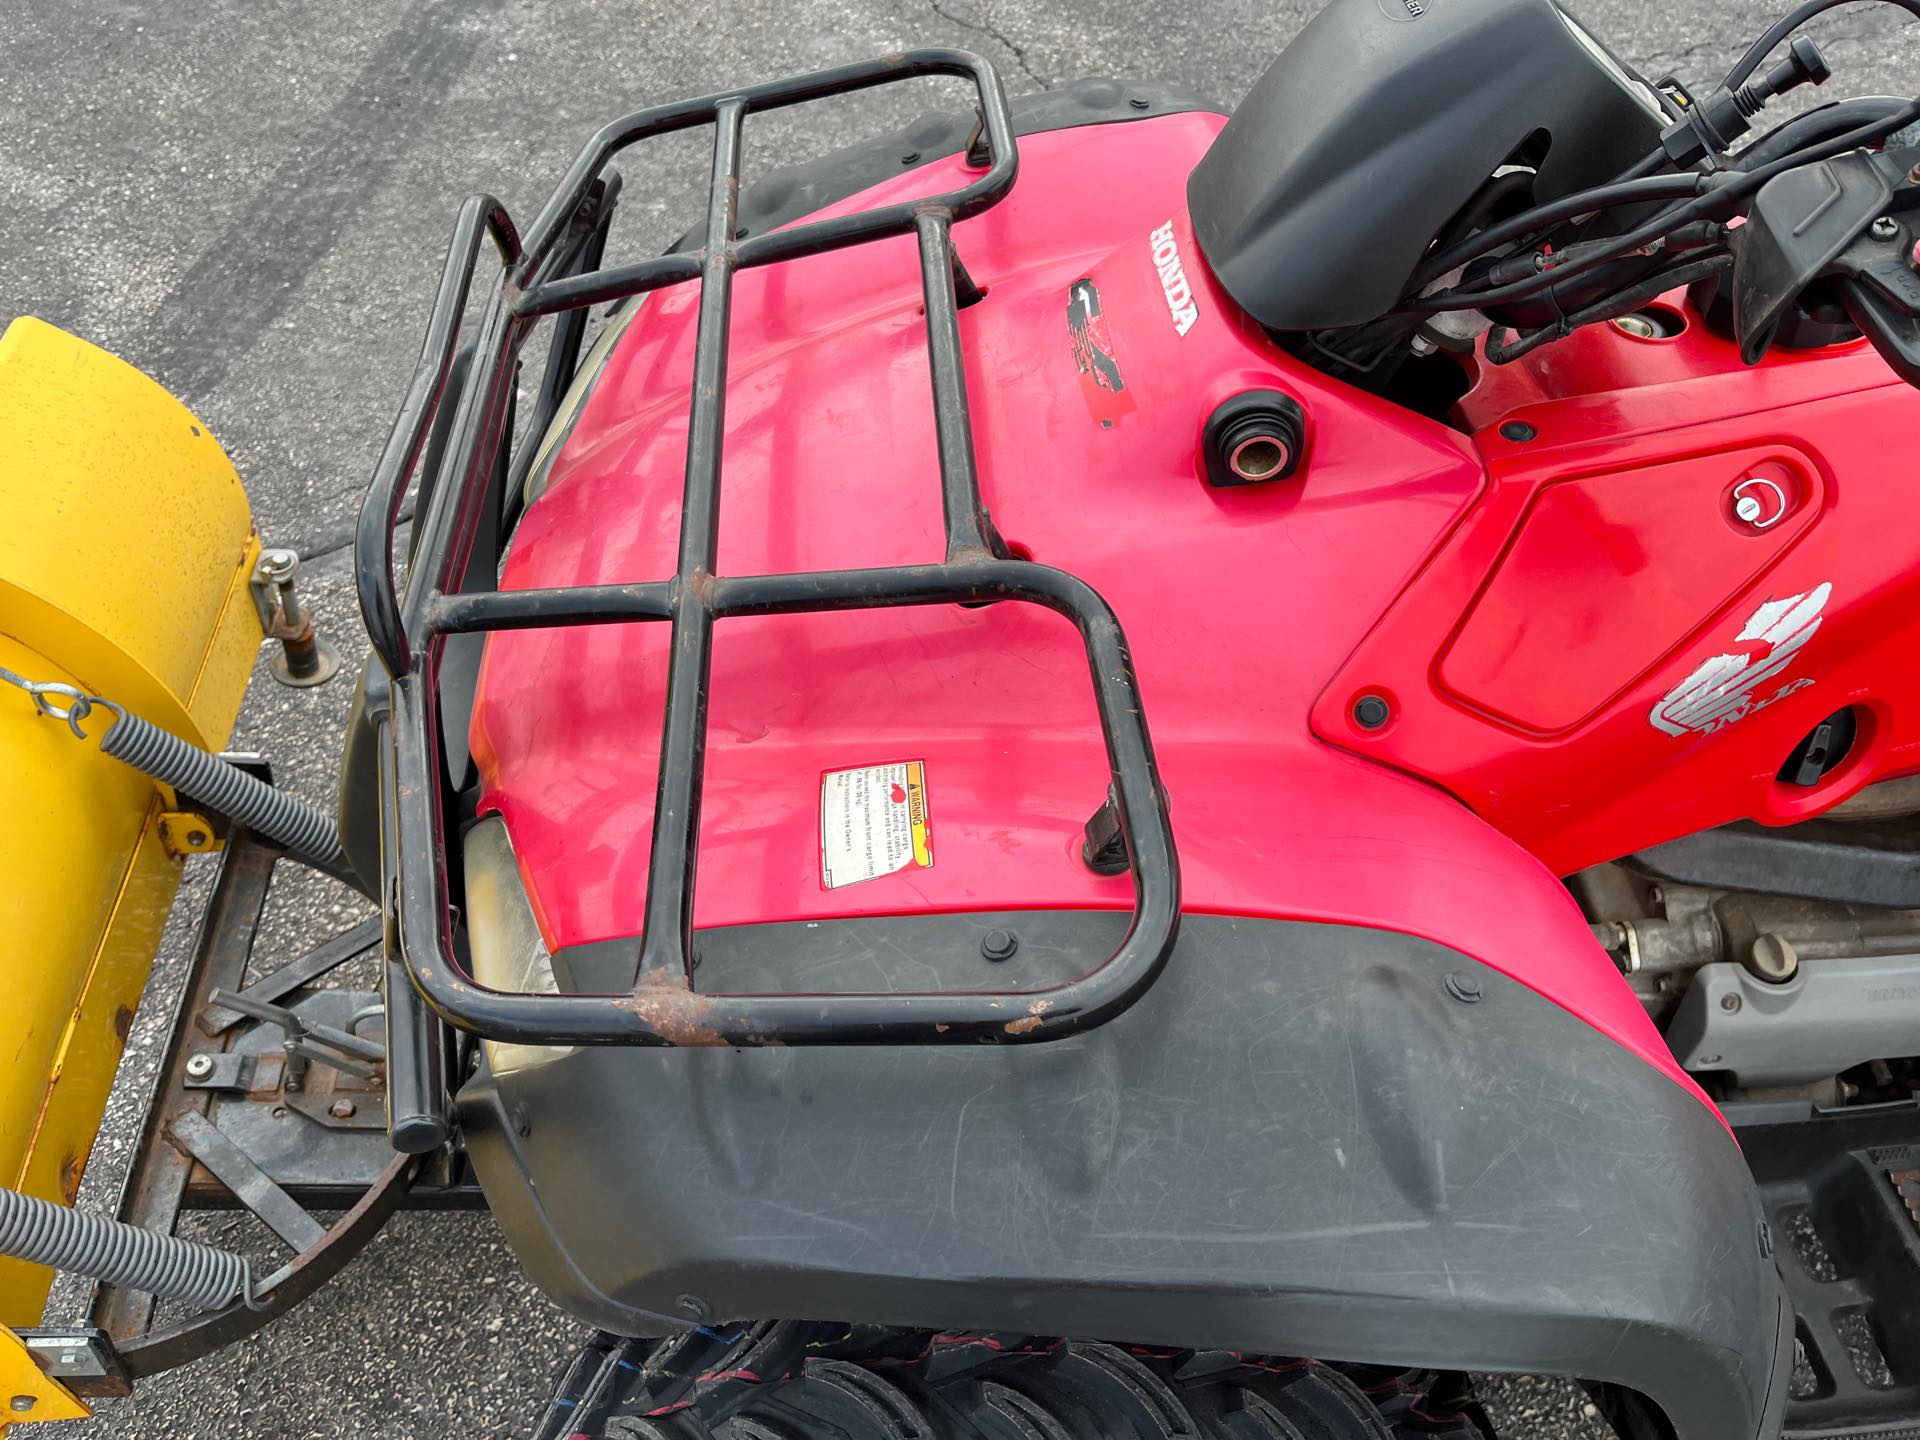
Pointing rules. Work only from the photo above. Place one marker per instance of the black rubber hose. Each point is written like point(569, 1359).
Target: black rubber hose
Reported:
point(1785, 26)
point(1601, 197)
point(305, 833)
point(1501, 352)
point(1735, 186)
point(1816, 125)
point(1478, 211)
point(1803, 131)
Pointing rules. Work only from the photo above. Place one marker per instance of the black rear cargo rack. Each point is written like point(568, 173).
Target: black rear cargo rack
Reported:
point(555, 271)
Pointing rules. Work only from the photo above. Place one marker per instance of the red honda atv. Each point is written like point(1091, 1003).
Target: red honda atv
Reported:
point(1247, 699)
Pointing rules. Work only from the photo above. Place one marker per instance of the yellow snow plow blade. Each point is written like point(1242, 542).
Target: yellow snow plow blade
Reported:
point(125, 558)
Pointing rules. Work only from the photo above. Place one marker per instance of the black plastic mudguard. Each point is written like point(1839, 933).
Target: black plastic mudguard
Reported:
point(1306, 1139)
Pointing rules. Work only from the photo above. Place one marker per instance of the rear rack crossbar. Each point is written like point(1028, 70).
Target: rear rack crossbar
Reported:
point(541, 278)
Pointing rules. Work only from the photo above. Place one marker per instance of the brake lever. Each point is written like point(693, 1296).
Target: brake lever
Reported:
point(1851, 221)
point(1890, 325)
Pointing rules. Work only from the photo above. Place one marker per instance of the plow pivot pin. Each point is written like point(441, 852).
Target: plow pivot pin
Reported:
point(304, 658)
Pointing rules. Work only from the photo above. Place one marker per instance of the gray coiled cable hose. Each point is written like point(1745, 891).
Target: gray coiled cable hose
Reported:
point(305, 833)
point(42, 1233)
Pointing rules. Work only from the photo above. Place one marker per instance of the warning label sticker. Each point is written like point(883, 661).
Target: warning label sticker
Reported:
point(873, 822)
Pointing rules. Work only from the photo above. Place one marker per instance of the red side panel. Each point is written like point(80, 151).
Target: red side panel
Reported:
point(1682, 566)
point(1607, 573)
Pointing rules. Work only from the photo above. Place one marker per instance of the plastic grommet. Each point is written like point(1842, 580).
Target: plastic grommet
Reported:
point(1254, 437)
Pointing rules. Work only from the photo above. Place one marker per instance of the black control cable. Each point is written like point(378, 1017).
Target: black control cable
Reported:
point(1785, 26)
point(1794, 142)
point(1581, 202)
point(1731, 186)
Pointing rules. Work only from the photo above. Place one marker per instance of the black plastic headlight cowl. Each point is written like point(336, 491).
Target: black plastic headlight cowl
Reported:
point(1378, 123)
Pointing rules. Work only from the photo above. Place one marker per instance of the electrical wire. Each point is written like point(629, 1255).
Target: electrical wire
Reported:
point(1478, 212)
point(1645, 165)
point(1732, 186)
point(1797, 141)
point(1785, 26)
point(1813, 125)
point(1621, 302)
point(1581, 202)
point(1783, 143)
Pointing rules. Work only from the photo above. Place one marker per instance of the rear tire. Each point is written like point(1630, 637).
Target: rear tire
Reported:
point(791, 1380)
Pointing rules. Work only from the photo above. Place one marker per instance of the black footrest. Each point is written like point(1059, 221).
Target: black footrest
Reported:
point(1842, 1193)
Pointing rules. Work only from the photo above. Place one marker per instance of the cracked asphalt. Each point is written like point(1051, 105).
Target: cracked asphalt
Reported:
point(250, 199)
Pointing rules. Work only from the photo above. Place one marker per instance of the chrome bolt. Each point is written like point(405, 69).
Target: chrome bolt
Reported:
point(1885, 228)
point(1730, 1002)
point(277, 568)
point(304, 658)
point(20, 1404)
point(342, 1109)
point(199, 1067)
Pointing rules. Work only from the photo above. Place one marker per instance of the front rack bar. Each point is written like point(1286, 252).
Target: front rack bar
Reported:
point(968, 531)
point(538, 279)
point(537, 609)
point(666, 944)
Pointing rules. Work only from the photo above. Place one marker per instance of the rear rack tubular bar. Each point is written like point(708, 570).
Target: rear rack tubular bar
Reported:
point(536, 280)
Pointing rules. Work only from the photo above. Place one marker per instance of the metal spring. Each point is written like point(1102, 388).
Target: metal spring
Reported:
point(304, 832)
point(42, 1233)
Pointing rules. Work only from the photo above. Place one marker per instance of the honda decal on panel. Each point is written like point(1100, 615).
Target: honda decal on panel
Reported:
point(1727, 687)
point(1173, 278)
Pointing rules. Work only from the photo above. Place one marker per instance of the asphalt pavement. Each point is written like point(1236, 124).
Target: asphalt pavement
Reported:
point(250, 200)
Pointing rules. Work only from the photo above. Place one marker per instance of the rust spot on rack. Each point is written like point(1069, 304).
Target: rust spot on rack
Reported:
point(678, 1015)
point(1036, 1012)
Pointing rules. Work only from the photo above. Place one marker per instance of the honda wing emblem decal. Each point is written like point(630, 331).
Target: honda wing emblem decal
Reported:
point(1726, 688)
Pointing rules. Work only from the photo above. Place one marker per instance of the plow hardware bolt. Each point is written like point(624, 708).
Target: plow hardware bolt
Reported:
point(304, 658)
